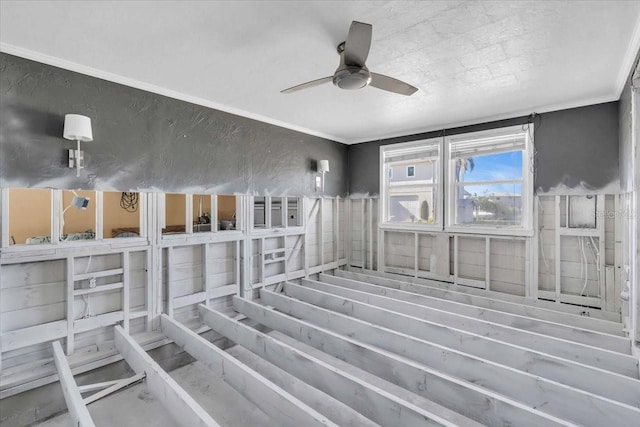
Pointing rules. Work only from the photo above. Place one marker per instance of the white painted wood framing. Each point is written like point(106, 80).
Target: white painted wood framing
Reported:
point(286, 409)
point(535, 391)
point(184, 410)
point(509, 264)
point(456, 395)
point(595, 380)
point(78, 412)
point(594, 356)
point(376, 404)
point(144, 282)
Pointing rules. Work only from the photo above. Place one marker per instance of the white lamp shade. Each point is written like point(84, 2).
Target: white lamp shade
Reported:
point(323, 166)
point(77, 127)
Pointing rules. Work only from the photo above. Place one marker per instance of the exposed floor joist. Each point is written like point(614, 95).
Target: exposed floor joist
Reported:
point(557, 399)
point(521, 309)
point(286, 409)
point(453, 393)
point(499, 296)
point(182, 407)
point(532, 324)
point(373, 402)
point(606, 384)
point(78, 411)
point(602, 358)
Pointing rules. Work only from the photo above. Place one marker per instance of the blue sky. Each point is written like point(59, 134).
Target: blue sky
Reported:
point(495, 167)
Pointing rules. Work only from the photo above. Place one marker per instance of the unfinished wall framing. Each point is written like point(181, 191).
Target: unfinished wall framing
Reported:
point(131, 281)
point(519, 265)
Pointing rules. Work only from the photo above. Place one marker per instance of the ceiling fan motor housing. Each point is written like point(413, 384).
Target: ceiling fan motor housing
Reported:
point(351, 77)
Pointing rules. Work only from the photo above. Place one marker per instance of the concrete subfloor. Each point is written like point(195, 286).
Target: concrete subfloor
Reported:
point(135, 406)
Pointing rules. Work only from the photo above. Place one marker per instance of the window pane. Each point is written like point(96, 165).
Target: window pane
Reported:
point(491, 167)
point(78, 217)
point(227, 212)
point(490, 205)
point(29, 216)
point(412, 206)
point(175, 208)
point(121, 214)
point(201, 213)
point(411, 176)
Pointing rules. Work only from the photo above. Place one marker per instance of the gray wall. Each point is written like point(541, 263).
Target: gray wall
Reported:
point(625, 124)
point(577, 148)
point(145, 141)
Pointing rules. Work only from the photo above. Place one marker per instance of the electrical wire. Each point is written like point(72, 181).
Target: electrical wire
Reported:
point(584, 261)
point(129, 201)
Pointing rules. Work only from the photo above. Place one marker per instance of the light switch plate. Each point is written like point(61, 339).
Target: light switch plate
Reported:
point(318, 183)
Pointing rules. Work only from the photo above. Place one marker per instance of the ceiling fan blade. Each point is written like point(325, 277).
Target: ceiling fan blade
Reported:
point(312, 83)
point(356, 48)
point(392, 85)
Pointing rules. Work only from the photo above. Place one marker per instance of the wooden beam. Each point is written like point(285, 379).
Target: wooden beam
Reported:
point(551, 329)
point(604, 359)
point(501, 296)
point(556, 399)
point(489, 302)
point(78, 411)
point(284, 408)
point(118, 385)
point(607, 384)
point(185, 411)
point(456, 395)
point(373, 402)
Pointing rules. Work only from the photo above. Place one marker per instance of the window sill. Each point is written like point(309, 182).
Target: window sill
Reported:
point(418, 227)
point(491, 231)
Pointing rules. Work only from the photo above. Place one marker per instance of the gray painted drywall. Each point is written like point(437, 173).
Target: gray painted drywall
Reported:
point(577, 150)
point(145, 141)
point(625, 123)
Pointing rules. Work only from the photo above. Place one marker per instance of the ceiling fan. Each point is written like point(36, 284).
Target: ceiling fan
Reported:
point(352, 73)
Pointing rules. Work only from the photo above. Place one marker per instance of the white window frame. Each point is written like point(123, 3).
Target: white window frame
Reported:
point(414, 171)
point(438, 186)
point(526, 228)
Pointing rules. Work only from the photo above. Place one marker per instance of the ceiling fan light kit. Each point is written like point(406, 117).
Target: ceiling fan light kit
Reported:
point(352, 73)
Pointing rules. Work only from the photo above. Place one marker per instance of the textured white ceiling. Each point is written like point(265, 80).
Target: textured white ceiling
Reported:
point(472, 61)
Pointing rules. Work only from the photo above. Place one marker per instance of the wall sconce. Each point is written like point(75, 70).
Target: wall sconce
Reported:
point(78, 128)
point(323, 167)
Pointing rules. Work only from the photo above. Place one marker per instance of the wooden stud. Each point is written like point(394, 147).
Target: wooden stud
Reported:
point(70, 303)
point(78, 412)
point(321, 231)
point(169, 284)
point(487, 263)
point(557, 247)
point(126, 282)
point(184, 410)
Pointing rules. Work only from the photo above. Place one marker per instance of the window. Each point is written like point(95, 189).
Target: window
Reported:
point(489, 180)
point(175, 214)
point(412, 197)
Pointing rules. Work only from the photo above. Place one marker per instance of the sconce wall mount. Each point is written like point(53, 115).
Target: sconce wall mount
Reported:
point(323, 167)
point(77, 128)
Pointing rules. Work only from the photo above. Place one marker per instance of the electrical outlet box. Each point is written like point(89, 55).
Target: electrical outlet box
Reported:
point(582, 212)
